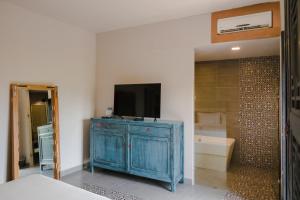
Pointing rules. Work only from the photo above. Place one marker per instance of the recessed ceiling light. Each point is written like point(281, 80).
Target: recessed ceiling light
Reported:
point(236, 48)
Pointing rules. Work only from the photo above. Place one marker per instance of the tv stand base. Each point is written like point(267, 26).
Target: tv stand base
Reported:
point(139, 119)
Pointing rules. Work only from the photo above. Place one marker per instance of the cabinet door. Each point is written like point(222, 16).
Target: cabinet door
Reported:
point(110, 149)
point(46, 148)
point(45, 143)
point(149, 156)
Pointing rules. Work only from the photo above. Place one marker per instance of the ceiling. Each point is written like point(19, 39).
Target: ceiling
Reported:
point(107, 15)
point(250, 48)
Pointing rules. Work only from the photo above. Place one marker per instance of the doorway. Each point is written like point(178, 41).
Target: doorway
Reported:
point(35, 130)
point(34, 112)
point(237, 136)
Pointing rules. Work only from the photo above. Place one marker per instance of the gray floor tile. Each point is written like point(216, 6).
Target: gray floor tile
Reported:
point(143, 188)
point(239, 183)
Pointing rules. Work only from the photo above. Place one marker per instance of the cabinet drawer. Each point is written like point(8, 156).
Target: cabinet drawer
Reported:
point(150, 130)
point(109, 127)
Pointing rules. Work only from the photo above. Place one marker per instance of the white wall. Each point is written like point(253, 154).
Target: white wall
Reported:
point(162, 52)
point(39, 49)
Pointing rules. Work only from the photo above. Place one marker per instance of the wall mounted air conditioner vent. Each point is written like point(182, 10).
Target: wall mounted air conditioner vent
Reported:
point(245, 23)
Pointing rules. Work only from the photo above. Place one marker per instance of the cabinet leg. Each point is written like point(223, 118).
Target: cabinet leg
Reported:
point(173, 187)
point(92, 169)
point(181, 180)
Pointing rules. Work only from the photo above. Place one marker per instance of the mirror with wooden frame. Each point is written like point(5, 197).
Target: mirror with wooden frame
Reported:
point(35, 130)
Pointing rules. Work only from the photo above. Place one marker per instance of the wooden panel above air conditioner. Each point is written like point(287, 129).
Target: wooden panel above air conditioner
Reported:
point(268, 28)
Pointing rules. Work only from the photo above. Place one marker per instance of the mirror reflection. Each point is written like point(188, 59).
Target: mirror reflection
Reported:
point(35, 132)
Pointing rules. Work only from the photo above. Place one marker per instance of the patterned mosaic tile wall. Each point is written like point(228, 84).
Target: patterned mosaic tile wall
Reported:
point(259, 111)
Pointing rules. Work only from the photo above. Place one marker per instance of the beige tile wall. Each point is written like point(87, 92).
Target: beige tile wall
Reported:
point(217, 90)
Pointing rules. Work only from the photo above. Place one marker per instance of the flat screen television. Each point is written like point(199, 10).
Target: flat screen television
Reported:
point(137, 100)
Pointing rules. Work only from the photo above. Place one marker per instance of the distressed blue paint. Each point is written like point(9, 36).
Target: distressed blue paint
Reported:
point(144, 148)
point(45, 142)
point(109, 148)
point(149, 156)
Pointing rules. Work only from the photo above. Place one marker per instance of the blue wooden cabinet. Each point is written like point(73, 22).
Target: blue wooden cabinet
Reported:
point(45, 141)
point(143, 148)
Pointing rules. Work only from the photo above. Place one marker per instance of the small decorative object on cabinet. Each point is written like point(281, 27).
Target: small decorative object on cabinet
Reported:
point(143, 148)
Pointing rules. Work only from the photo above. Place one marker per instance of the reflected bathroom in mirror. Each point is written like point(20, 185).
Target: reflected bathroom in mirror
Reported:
point(35, 131)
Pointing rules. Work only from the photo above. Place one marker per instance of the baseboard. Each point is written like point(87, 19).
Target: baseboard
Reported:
point(72, 170)
point(188, 181)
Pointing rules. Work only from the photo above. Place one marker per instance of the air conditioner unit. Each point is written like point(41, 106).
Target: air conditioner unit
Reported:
point(245, 23)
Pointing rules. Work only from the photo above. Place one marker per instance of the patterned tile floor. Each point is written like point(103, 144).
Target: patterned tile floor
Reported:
point(249, 183)
point(119, 186)
point(110, 193)
point(242, 183)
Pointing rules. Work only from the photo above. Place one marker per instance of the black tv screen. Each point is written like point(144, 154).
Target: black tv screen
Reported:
point(137, 100)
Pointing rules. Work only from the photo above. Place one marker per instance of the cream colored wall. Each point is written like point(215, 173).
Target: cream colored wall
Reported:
point(39, 49)
point(162, 52)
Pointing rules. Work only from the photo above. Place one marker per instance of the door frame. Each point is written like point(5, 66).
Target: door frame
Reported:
point(283, 118)
point(14, 113)
point(292, 172)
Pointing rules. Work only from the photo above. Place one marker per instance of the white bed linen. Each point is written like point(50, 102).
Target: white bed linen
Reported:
point(38, 187)
point(214, 131)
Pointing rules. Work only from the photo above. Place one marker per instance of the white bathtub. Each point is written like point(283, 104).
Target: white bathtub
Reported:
point(213, 152)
